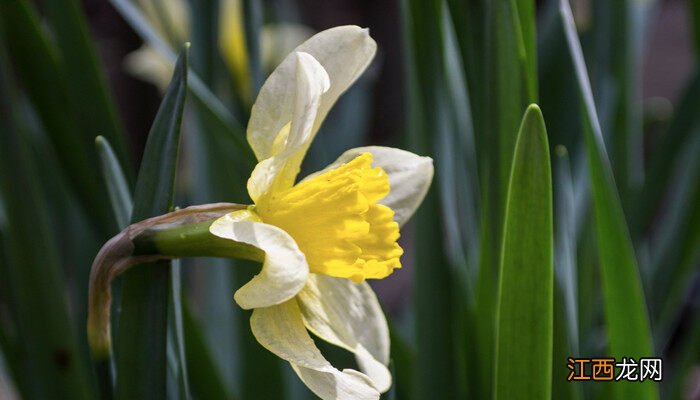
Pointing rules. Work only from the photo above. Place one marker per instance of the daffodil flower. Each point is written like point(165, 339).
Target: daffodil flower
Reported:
point(331, 231)
point(319, 240)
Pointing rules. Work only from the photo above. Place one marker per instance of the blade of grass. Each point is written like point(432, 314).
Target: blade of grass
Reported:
point(141, 343)
point(39, 308)
point(626, 317)
point(525, 303)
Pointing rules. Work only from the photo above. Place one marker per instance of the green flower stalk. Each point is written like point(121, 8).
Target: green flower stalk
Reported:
point(137, 244)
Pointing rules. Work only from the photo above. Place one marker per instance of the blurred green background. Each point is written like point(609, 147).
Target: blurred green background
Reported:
point(617, 82)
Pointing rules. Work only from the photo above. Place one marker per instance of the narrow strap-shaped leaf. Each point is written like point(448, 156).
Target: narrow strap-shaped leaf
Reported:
point(86, 85)
point(678, 245)
point(688, 356)
point(141, 342)
point(528, 29)
point(122, 205)
point(626, 317)
point(512, 83)
point(48, 351)
point(230, 130)
point(566, 315)
point(565, 244)
point(120, 198)
point(205, 377)
point(433, 291)
point(252, 24)
point(177, 360)
point(525, 301)
point(73, 149)
point(661, 163)
point(119, 193)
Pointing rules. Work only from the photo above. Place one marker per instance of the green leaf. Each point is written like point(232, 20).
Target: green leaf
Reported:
point(120, 197)
point(50, 356)
point(119, 193)
point(402, 365)
point(681, 372)
point(141, 340)
point(252, 25)
point(86, 85)
point(674, 258)
point(562, 349)
point(204, 25)
point(229, 131)
point(177, 359)
point(513, 79)
point(626, 317)
point(566, 271)
point(617, 41)
point(659, 173)
point(525, 303)
point(73, 145)
point(433, 292)
point(205, 377)
point(122, 205)
point(528, 29)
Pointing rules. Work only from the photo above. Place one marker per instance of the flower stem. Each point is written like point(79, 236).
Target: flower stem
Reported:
point(192, 240)
point(181, 233)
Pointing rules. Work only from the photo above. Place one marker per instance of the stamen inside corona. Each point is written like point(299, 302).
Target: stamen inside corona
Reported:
point(336, 221)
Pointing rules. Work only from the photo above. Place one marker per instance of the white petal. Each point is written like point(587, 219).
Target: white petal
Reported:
point(353, 385)
point(343, 51)
point(284, 271)
point(348, 315)
point(280, 170)
point(409, 174)
point(148, 65)
point(281, 330)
